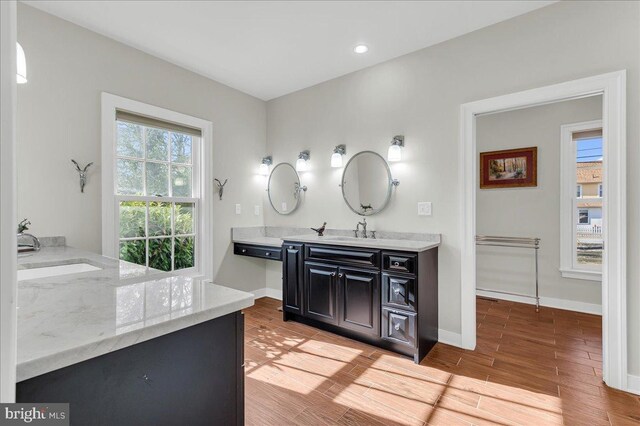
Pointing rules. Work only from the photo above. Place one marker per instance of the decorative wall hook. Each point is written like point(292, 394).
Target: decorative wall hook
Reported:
point(220, 186)
point(83, 173)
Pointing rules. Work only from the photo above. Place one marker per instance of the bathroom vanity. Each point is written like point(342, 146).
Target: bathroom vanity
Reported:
point(382, 292)
point(127, 345)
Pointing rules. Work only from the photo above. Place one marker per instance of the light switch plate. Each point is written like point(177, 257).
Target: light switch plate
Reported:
point(238, 209)
point(256, 210)
point(424, 208)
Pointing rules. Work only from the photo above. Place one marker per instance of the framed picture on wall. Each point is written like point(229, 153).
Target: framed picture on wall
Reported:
point(511, 168)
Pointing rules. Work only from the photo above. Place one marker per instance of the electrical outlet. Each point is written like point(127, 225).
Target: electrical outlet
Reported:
point(424, 208)
point(256, 210)
point(238, 209)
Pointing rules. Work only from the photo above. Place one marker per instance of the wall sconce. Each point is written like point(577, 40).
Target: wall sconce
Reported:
point(395, 150)
point(264, 166)
point(336, 157)
point(302, 165)
point(21, 62)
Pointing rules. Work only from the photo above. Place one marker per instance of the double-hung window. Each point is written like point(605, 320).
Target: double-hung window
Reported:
point(156, 188)
point(581, 222)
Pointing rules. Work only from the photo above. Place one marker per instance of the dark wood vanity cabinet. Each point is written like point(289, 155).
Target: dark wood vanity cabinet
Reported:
point(388, 299)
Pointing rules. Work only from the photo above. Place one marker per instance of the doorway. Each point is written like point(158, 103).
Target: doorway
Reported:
point(612, 88)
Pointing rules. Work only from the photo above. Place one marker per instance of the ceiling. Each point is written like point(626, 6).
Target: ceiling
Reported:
point(271, 48)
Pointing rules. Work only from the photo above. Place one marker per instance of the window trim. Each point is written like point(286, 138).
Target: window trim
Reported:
point(202, 185)
point(568, 203)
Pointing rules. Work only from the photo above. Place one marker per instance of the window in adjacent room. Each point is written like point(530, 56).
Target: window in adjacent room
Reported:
point(582, 170)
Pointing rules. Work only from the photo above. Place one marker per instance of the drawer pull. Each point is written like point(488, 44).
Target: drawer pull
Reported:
point(268, 254)
point(396, 263)
point(333, 274)
point(290, 247)
point(396, 291)
point(244, 250)
point(340, 275)
point(396, 327)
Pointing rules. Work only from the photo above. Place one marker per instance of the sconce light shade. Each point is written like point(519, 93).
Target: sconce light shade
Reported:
point(302, 164)
point(21, 62)
point(264, 166)
point(395, 150)
point(336, 157)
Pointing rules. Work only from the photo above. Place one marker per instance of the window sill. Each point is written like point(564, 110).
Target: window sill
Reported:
point(581, 275)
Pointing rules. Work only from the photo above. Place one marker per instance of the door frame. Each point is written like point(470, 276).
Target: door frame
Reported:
point(612, 87)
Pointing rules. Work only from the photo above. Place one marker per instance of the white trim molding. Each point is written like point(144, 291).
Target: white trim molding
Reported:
point(633, 384)
point(8, 244)
point(550, 302)
point(267, 292)
point(111, 103)
point(612, 87)
point(449, 337)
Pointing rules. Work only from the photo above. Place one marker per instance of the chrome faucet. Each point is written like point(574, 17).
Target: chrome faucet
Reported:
point(34, 246)
point(364, 228)
point(35, 243)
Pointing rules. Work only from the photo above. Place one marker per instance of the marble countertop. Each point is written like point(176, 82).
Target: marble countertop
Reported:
point(274, 236)
point(380, 243)
point(67, 319)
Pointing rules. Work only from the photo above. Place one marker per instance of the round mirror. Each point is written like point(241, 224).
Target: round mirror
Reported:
point(367, 183)
point(284, 188)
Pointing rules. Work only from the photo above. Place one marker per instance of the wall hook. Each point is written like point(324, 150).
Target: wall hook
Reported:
point(83, 173)
point(220, 186)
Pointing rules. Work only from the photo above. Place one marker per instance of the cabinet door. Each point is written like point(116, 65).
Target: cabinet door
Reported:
point(320, 295)
point(359, 295)
point(292, 278)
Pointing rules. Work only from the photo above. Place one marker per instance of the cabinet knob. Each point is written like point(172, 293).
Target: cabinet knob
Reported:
point(244, 250)
point(396, 263)
point(396, 291)
point(333, 274)
point(290, 247)
point(340, 275)
point(268, 254)
point(396, 327)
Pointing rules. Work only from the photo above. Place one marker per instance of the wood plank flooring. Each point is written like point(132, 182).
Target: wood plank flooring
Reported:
point(527, 369)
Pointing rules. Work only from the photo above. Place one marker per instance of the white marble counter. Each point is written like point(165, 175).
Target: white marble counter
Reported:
point(67, 319)
point(274, 236)
point(379, 243)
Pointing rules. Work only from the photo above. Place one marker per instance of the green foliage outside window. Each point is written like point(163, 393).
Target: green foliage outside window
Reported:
point(133, 225)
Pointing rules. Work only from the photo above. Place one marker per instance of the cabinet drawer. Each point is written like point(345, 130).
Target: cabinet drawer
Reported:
point(399, 292)
point(344, 256)
point(399, 326)
point(264, 252)
point(395, 262)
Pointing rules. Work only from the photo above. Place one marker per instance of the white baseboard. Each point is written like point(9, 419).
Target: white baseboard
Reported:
point(550, 302)
point(450, 338)
point(267, 292)
point(633, 384)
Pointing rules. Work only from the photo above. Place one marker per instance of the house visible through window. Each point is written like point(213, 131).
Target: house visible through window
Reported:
point(157, 192)
point(588, 204)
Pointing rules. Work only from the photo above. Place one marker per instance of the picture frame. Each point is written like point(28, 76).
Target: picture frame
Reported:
point(510, 168)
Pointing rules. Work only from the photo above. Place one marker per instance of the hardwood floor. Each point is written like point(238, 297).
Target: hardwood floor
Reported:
point(527, 369)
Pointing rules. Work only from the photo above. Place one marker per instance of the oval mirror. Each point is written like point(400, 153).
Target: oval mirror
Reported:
point(284, 188)
point(367, 183)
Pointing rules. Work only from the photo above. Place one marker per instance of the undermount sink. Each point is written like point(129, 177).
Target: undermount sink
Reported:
point(54, 271)
point(342, 238)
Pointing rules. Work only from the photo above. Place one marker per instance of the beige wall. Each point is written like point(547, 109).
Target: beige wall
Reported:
point(530, 212)
point(419, 95)
point(59, 119)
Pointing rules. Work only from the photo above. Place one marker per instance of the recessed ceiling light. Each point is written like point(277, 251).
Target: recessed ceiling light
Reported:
point(361, 48)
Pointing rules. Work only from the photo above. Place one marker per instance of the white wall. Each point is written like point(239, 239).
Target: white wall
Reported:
point(59, 119)
point(530, 212)
point(419, 95)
